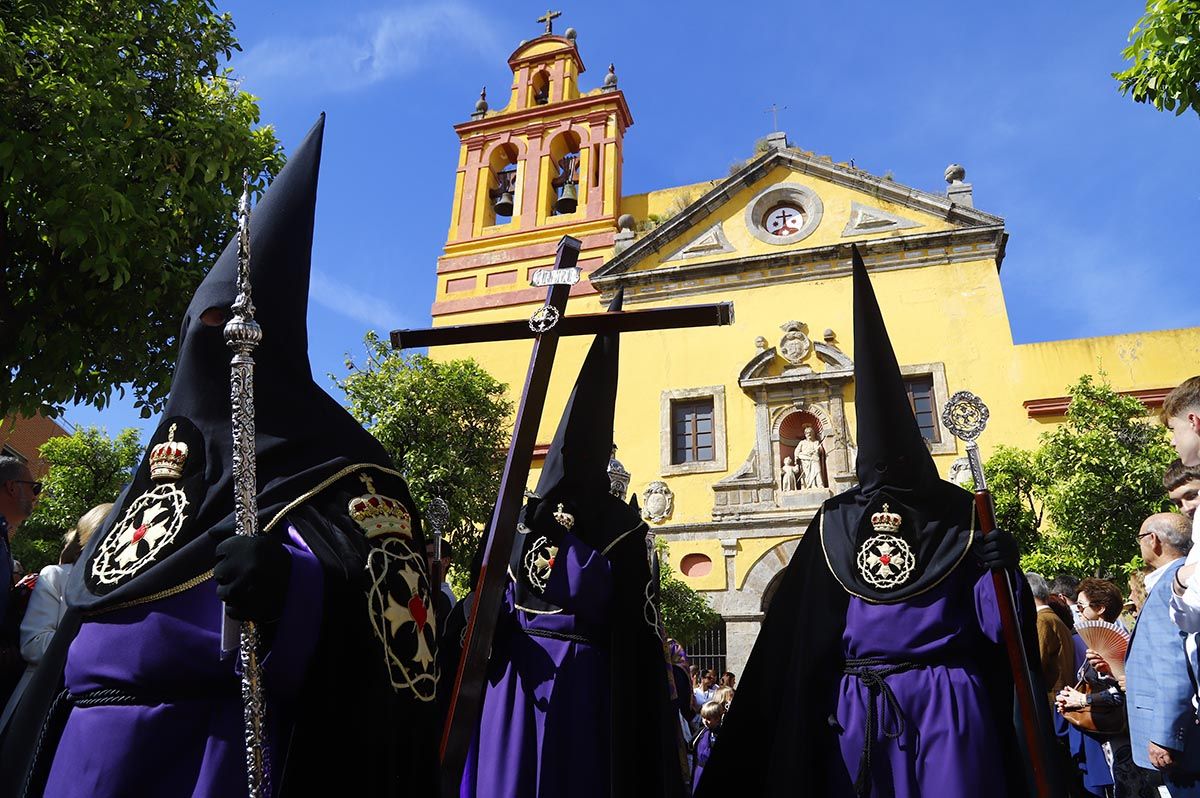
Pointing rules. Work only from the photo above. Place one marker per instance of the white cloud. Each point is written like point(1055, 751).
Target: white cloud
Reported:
point(355, 304)
point(374, 47)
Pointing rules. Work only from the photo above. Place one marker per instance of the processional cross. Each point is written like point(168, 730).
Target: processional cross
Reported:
point(549, 19)
point(545, 327)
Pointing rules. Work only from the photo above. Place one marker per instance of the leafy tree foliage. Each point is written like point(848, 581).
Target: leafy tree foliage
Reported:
point(1077, 502)
point(1164, 47)
point(86, 468)
point(122, 145)
point(685, 613)
point(446, 426)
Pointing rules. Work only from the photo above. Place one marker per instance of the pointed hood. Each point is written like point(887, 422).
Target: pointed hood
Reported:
point(891, 450)
point(302, 435)
point(577, 463)
point(901, 530)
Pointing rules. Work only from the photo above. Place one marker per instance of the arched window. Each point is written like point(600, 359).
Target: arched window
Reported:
point(564, 183)
point(540, 87)
point(503, 189)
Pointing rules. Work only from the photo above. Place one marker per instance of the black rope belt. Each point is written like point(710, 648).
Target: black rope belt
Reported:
point(873, 674)
point(559, 636)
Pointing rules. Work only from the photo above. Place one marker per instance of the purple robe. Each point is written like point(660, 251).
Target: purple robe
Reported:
point(946, 743)
point(704, 746)
point(544, 726)
point(185, 737)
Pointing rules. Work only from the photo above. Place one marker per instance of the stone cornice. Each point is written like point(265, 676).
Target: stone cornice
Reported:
point(504, 122)
point(805, 163)
point(815, 263)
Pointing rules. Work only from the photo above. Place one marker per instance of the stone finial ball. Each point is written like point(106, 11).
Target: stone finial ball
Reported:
point(626, 221)
point(481, 105)
point(571, 34)
point(828, 335)
point(955, 171)
point(611, 78)
point(760, 343)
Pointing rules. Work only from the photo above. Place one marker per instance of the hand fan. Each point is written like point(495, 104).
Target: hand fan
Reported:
point(1108, 640)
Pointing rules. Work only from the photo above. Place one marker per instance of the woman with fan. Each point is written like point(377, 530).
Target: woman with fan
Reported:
point(1095, 707)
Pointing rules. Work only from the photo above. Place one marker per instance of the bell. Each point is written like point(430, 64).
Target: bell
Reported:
point(568, 200)
point(503, 206)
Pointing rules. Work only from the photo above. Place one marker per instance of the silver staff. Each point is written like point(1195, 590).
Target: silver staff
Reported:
point(438, 514)
point(243, 335)
point(966, 416)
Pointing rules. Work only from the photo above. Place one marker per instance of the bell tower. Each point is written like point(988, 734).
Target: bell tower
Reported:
point(548, 164)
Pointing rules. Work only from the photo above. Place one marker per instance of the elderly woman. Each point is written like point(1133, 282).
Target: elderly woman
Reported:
point(1101, 600)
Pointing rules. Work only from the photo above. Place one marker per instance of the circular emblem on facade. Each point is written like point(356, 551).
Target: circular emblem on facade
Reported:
point(150, 525)
point(401, 610)
point(784, 214)
point(886, 561)
point(785, 219)
point(795, 344)
point(544, 318)
point(658, 502)
point(538, 562)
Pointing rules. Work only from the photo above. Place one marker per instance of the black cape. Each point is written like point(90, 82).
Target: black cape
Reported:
point(645, 740)
point(310, 453)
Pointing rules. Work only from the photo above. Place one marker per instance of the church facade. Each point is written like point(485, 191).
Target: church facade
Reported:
point(733, 436)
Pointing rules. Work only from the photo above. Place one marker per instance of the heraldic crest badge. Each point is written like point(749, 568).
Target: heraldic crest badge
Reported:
point(401, 603)
point(151, 522)
point(885, 560)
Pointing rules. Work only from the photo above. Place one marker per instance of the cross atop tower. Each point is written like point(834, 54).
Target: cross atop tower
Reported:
point(549, 19)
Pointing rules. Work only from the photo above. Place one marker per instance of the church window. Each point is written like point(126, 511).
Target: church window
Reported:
point(540, 85)
point(924, 405)
point(564, 168)
point(692, 431)
point(503, 191)
point(784, 214)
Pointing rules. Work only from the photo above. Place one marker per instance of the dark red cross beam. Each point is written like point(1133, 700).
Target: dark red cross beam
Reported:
point(467, 698)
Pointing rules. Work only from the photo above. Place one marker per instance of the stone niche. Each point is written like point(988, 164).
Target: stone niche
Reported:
point(789, 395)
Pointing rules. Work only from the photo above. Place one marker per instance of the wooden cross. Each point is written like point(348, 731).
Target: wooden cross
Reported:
point(549, 19)
point(466, 700)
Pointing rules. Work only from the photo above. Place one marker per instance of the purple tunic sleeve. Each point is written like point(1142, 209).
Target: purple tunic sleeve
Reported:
point(295, 634)
point(580, 581)
point(986, 608)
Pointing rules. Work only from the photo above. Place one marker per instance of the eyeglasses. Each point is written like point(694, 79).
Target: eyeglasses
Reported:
point(1142, 535)
point(34, 487)
point(1082, 607)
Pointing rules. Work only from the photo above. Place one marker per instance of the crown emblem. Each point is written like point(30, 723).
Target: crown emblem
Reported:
point(167, 458)
point(379, 515)
point(885, 521)
point(565, 519)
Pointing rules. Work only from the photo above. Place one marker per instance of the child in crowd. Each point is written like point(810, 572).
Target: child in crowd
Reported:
point(710, 714)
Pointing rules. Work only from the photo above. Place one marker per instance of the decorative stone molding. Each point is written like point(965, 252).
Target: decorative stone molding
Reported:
point(658, 502)
point(791, 193)
point(865, 220)
point(718, 463)
point(711, 242)
point(960, 472)
point(795, 345)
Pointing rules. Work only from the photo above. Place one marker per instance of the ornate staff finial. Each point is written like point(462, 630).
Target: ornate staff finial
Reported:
point(966, 416)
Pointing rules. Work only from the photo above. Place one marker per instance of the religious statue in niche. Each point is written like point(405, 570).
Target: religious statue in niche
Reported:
point(788, 475)
point(809, 454)
point(795, 344)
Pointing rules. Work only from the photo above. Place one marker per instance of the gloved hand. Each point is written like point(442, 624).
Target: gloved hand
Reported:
point(252, 575)
point(998, 550)
point(539, 517)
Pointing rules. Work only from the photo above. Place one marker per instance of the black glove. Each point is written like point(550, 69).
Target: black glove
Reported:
point(999, 551)
point(539, 517)
point(252, 573)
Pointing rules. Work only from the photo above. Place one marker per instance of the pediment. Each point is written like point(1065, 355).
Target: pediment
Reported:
point(787, 202)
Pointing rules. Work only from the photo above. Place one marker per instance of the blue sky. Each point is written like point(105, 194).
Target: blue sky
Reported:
point(1100, 194)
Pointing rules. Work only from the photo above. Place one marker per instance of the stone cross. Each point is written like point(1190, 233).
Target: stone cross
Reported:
point(549, 19)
